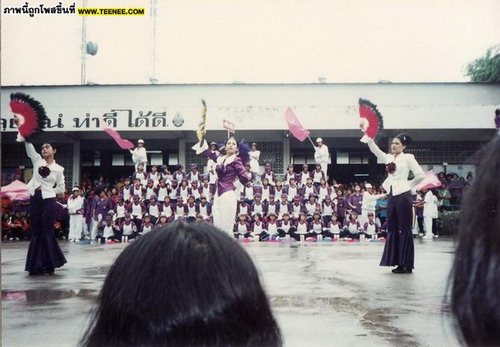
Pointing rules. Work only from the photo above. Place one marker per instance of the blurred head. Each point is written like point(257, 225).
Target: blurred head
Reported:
point(475, 275)
point(187, 290)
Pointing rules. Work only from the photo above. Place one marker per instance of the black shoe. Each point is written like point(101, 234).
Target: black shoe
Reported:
point(400, 269)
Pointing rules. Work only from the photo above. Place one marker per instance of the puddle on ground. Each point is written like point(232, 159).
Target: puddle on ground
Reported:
point(45, 296)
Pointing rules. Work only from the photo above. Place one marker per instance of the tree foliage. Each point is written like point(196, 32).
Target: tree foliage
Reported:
point(485, 68)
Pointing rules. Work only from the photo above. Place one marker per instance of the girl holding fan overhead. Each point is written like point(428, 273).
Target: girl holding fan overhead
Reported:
point(399, 249)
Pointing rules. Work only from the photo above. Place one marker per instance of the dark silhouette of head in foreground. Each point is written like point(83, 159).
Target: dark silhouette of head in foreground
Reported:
point(185, 284)
point(475, 276)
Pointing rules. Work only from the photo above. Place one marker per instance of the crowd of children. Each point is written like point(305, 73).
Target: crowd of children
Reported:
point(301, 205)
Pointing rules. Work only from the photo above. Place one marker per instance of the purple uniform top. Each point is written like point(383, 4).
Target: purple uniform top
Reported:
point(356, 201)
point(228, 170)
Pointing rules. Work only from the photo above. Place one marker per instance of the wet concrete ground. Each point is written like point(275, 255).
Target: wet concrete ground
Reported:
point(323, 294)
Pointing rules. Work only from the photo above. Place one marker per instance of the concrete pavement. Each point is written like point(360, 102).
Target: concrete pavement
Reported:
point(323, 294)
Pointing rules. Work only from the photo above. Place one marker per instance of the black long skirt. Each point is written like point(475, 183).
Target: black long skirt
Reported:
point(399, 248)
point(44, 253)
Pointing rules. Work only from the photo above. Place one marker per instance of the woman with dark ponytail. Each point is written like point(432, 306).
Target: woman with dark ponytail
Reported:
point(399, 248)
point(475, 275)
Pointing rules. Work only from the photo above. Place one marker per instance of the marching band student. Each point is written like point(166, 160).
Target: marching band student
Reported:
point(154, 175)
point(297, 207)
point(322, 155)
point(154, 209)
point(180, 209)
point(100, 208)
point(430, 213)
point(107, 229)
point(269, 174)
point(179, 173)
point(212, 179)
point(352, 227)
point(316, 225)
point(286, 226)
point(166, 175)
point(120, 209)
point(139, 154)
point(146, 225)
point(278, 188)
point(370, 228)
point(183, 190)
point(355, 200)
point(192, 209)
point(304, 175)
point(266, 190)
point(283, 206)
point(138, 189)
point(242, 227)
point(334, 227)
point(173, 192)
point(249, 192)
point(341, 206)
point(368, 202)
point(162, 221)
point(317, 175)
point(327, 209)
point(194, 191)
point(140, 174)
point(309, 188)
point(323, 190)
point(292, 190)
point(290, 173)
point(301, 227)
point(258, 206)
point(136, 210)
point(243, 207)
point(205, 187)
point(167, 209)
point(311, 206)
point(272, 206)
point(272, 225)
point(254, 159)
point(258, 228)
point(126, 190)
point(194, 174)
point(149, 190)
point(161, 190)
point(128, 229)
point(75, 210)
point(205, 209)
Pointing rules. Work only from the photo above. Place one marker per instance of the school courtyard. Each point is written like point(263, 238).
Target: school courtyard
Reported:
point(323, 294)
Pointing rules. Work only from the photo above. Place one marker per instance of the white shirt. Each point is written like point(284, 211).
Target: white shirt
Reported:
point(430, 206)
point(404, 163)
point(75, 204)
point(139, 155)
point(321, 154)
point(369, 201)
point(55, 178)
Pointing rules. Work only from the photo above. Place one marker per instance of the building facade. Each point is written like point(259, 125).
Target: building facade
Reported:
point(448, 122)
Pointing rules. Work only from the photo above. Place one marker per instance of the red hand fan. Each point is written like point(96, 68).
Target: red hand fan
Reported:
point(371, 120)
point(29, 114)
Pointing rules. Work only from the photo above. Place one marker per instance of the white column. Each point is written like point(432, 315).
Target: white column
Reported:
point(286, 153)
point(77, 160)
point(182, 151)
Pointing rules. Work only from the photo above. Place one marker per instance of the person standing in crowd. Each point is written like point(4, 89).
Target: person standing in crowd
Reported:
point(322, 156)
point(475, 275)
point(75, 210)
point(355, 200)
point(430, 213)
point(226, 309)
point(381, 207)
point(399, 249)
point(230, 168)
point(341, 206)
point(444, 197)
point(139, 155)
point(254, 159)
point(269, 174)
point(368, 203)
point(289, 174)
point(44, 253)
point(418, 207)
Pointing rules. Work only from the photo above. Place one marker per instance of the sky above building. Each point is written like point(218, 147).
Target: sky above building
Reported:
point(251, 41)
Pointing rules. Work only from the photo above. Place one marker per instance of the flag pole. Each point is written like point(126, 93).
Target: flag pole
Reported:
point(312, 143)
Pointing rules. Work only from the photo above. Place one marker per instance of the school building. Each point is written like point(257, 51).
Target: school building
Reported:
point(448, 122)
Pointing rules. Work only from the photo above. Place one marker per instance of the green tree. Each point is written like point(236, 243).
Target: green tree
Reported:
point(485, 68)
